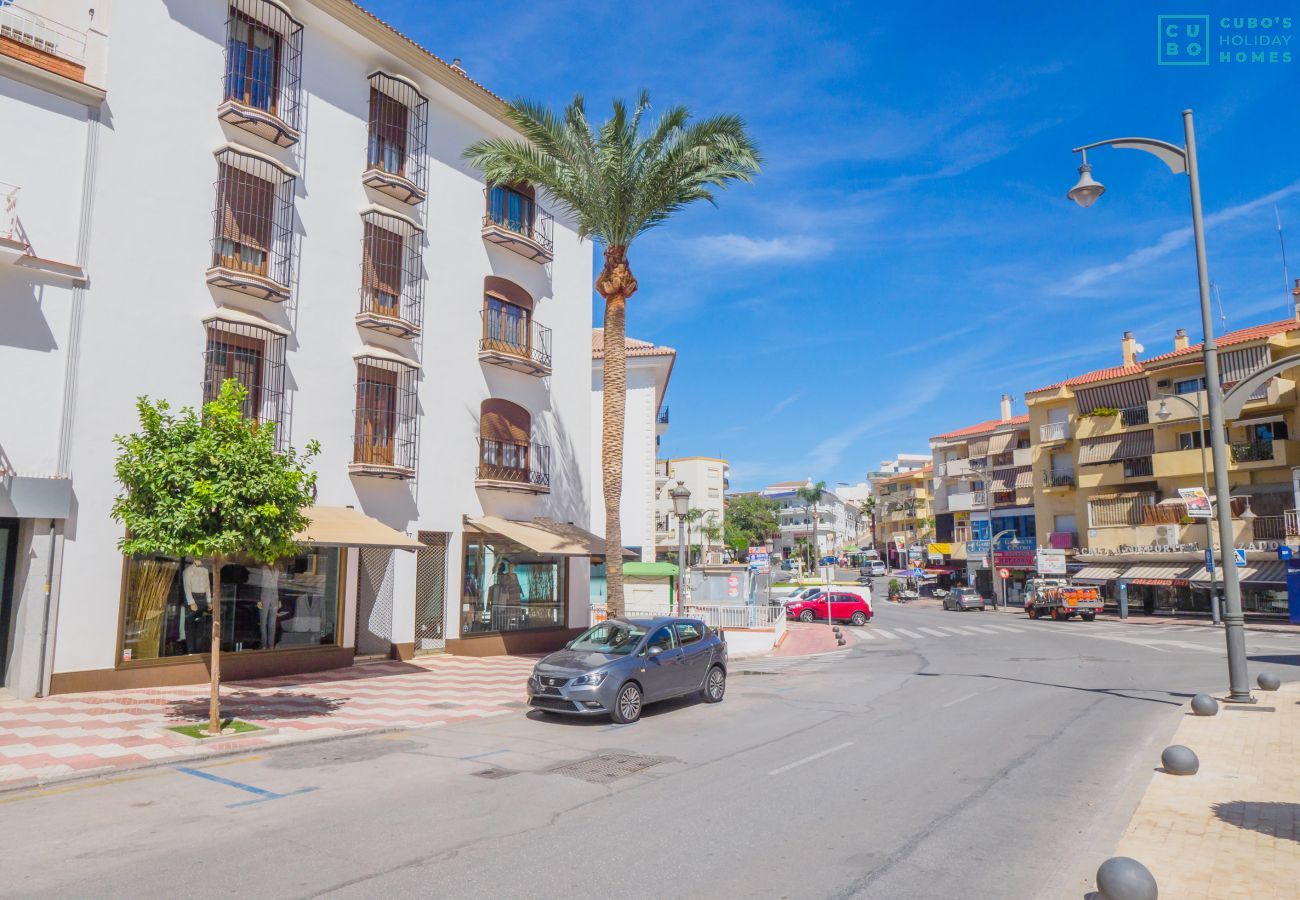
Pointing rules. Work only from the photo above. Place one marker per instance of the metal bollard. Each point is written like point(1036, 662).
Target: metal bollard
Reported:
point(1267, 681)
point(1124, 878)
point(1180, 760)
point(1205, 705)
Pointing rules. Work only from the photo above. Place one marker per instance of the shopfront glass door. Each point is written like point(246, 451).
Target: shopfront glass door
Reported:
point(8, 548)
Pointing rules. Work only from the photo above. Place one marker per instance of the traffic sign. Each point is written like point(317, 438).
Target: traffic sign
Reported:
point(1241, 558)
point(1209, 561)
point(1004, 574)
point(918, 573)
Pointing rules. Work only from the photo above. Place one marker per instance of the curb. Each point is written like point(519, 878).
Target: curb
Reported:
point(1153, 621)
point(30, 782)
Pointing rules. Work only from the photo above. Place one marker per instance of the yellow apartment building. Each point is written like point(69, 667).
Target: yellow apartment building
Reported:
point(904, 513)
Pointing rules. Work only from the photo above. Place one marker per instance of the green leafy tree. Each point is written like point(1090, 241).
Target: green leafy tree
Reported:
point(210, 484)
point(751, 518)
point(736, 540)
point(618, 182)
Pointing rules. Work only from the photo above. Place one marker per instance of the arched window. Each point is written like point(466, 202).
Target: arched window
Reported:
point(507, 455)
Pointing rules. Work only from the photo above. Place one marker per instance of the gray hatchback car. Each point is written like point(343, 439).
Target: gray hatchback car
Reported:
point(618, 666)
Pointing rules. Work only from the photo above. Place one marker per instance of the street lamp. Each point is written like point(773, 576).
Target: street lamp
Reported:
point(1015, 542)
point(681, 496)
point(1163, 414)
point(1182, 161)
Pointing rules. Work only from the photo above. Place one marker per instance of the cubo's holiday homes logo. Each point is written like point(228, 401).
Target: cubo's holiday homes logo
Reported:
point(1186, 40)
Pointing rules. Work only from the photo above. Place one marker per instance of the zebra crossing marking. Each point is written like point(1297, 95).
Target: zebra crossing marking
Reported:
point(934, 632)
point(912, 634)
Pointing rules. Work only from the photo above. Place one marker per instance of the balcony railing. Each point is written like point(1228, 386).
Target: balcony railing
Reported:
point(1062, 540)
point(1003, 460)
point(1252, 451)
point(514, 465)
point(1004, 498)
point(1135, 415)
point(262, 86)
point(515, 343)
point(392, 275)
point(516, 222)
point(1138, 468)
point(663, 416)
point(1269, 528)
point(42, 42)
point(1054, 431)
point(1058, 479)
point(395, 150)
point(253, 237)
point(1292, 522)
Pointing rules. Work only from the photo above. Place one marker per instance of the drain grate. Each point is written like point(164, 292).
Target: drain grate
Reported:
point(606, 767)
point(495, 773)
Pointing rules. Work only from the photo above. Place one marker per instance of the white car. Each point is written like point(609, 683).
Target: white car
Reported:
point(874, 567)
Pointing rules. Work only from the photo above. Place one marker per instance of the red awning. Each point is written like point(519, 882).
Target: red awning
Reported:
point(1161, 582)
point(944, 570)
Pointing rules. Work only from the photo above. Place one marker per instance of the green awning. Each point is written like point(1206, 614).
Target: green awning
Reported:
point(650, 570)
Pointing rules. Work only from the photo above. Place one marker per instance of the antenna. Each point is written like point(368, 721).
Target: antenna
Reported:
point(1286, 275)
point(1223, 317)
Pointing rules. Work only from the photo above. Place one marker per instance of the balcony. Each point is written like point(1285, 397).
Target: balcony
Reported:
point(1053, 432)
point(39, 41)
point(392, 276)
point(1138, 468)
point(956, 468)
point(517, 223)
point(253, 237)
point(1134, 415)
point(1243, 456)
point(1058, 480)
point(1062, 540)
point(1003, 460)
point(395, 151)
point(513, 466)
point(262, 87)
point(1269, 528)
point(512, 343)
point(965, 501)
point(1004, 498)
point(1252, 451)
point(661, 421)
point(1291, 522)
point(1022, 456)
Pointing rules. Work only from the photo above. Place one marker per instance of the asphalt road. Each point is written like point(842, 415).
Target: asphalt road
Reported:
point(945, 755)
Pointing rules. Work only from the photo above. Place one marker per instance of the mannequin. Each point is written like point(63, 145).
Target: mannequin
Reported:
point(196, 583)
point(269, 606)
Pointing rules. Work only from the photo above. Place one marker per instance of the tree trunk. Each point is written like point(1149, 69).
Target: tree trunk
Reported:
point(616, 284)
point(214, 700)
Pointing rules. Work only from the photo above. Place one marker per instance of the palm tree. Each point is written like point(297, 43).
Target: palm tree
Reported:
point(693, 515)
point(712, 531)
point(617, 183)
point(811, 495)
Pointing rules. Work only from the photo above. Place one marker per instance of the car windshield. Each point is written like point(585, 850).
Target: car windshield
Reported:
point(617, 638)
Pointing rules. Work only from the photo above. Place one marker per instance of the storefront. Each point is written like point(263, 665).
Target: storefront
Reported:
point(280, 618)
point(515, 575)
point(1263, 588)
point(1160, 589)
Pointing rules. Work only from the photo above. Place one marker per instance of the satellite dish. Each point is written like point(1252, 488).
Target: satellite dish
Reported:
point(1138, 348)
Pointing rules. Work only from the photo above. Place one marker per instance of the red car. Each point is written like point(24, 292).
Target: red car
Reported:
point(845, 607)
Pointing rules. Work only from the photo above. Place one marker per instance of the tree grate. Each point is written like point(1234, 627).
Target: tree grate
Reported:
point(606, 767)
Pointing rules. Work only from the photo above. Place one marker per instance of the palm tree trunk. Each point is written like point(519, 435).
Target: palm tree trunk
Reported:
point(616, 284)
point(214, 699)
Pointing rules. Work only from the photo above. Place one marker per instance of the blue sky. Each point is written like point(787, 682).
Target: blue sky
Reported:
point(908, 254)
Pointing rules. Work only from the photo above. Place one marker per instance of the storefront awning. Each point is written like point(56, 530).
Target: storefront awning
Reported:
point(1258, 573)
point(649, 570)
point(343, 526)
point(1160, 574)
point(1096, 574)
point(545, 536)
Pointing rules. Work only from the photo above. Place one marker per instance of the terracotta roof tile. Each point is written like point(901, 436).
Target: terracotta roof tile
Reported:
point(914, 473)
point(1098, 375)
point(1241, 335)
point(634, 347)
point(990, 425)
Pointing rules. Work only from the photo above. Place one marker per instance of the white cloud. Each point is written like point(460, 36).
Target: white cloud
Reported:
point(740, 248)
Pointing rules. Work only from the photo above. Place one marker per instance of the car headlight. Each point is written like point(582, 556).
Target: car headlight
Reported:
point(592, 679)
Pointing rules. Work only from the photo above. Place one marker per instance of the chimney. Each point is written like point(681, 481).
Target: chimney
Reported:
point(1180, 339)
point(1295, 292)
point(1129, 346)
point(455, 64)
point(1006, 407)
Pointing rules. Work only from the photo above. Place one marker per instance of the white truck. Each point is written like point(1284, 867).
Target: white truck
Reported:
point(1057, 598)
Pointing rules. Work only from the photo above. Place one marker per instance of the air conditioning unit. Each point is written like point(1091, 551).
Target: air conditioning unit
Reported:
point(1166, 535)
point(1163, 383)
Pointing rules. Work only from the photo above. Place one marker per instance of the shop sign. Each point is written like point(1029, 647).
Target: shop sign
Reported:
point(1198, 504)
point(1015, 559)
point(1051, 562)
point(1194, 547)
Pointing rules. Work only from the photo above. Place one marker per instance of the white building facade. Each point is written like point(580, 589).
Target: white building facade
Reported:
point(287, 207)
point(645, 418)
point(838, 526)
point(707, 478)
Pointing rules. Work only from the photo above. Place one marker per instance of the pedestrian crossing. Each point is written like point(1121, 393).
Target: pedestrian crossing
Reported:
point(895, 633)
point(779, 665)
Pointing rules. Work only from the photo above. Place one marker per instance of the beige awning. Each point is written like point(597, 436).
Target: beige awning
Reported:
point(545, 536)
point(343, 526)
point(1001, 442)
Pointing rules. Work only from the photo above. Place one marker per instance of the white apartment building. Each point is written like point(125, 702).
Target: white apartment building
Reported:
point(273, 190)
point(708, 479)
point(645, 419)
point(839, 523)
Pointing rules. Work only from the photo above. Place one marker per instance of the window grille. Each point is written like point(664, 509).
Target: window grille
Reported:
point(1128, 509)
point(517, 212)
point(253, 224)
point(264, 69)
point(517, 461)
point(255, 358)
point(508, 328)
point(397, 136)
point(386, 432)
point(392, 280)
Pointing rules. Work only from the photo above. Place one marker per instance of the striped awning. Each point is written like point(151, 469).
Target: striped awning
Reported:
point(1116, 447)
point(1269, 571)
point(1120, 395)
point(979, 448)
point(1024, 477)
point(1160, 574)
point(1096, 574)
point(1237, 365)
point(1001, 443)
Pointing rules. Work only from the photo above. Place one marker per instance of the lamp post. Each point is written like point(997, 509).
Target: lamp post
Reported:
point(1015, 542)
point(1163, 414)
point(1182, 161)
point(681, 496)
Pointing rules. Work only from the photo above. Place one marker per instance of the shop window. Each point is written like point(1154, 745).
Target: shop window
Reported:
point(168, 604)
point(508, 587)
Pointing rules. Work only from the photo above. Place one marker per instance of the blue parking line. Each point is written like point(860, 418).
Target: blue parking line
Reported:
point(263, 795)
point(481, 755)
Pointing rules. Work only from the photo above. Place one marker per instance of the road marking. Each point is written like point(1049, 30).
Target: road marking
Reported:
point(233, 762)
point(68, 789)
point(865, 634)
point(934, 632)
point(1006, 628)
point(263, 795)
point(889, 634)
point(808, 759)
point(980, 630)
point(955, 630)
point(481, 755)
point(960, 700)
point(911, 634)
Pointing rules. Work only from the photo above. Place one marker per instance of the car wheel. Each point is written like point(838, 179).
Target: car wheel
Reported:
point(715, 685)
point(627, 706)
point(859, 618)
point(1087, 617)
point(806, 616)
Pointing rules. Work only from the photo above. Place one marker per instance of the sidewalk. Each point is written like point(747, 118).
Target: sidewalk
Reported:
point(1279, 627)
point(807, 638)
point(1232, 829)
point(71, 735)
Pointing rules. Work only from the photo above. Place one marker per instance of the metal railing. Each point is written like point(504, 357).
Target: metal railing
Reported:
point(1054, 431)
point(514, 336)
point(1252, 451)
point(1269, 528)
point(1062, 540)
point(516, 213)
point(1292, 517)
point(520, 617)
point(663, 416)
point(1135, 415)
point(1058, 479)
point(1138, 468)
point(762, 616)
point(40, 32)
point(514, 461)
point(8, 210)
